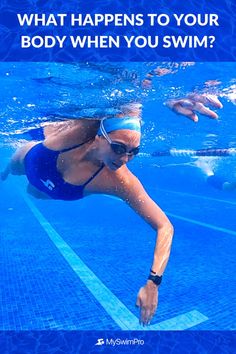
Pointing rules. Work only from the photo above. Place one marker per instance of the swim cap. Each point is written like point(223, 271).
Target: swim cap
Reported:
point(112, 124)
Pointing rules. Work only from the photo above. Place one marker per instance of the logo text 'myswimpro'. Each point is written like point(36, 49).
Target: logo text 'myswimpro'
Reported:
point(118, 341)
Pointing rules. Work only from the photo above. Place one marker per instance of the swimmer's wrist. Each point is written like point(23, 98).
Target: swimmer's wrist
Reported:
point(155, 278)
point(150, 284)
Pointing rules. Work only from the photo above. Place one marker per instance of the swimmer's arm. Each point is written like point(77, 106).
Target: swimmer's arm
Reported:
point(135, 195)
point(191, 104)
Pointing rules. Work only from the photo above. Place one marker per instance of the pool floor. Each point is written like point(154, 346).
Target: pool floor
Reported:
point(71, 265)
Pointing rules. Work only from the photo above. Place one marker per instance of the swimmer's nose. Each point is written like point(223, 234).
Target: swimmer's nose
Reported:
point(125, 158)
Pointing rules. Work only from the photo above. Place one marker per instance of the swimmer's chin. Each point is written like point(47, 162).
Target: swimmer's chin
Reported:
point(113, 166)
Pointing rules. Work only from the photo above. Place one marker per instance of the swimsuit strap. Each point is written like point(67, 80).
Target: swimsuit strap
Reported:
point(96, 173)
point(93, 176)
point(74, 147)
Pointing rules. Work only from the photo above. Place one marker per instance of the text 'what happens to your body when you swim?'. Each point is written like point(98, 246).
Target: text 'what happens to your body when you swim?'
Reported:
point(101, 40)
point(117, 41)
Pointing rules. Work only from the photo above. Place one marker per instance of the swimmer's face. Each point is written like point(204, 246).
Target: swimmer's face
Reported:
point(129, 140)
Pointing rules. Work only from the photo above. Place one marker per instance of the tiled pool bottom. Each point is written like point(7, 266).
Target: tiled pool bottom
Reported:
point(41, 291)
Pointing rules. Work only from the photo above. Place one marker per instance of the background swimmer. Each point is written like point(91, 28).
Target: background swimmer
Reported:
point(215, 181)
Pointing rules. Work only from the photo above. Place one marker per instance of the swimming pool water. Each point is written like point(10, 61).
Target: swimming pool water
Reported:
point(79, 265)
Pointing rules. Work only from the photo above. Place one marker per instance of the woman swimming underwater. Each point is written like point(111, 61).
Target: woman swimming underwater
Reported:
point(81, 157)
point(84, 157)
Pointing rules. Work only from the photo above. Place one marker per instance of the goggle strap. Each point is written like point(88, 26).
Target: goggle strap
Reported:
point(104, 131)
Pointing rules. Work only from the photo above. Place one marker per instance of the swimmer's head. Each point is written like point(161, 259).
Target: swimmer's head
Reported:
point(120, 140)
point(111, 124)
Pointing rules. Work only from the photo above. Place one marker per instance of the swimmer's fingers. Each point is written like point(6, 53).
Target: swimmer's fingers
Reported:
point(206, 100)
point(146, 316)
point(147, 302)
point(213, 101)
point(200, 108)
point(195, 103)
point(203, 101)
point(183, 107)
point(140, 302)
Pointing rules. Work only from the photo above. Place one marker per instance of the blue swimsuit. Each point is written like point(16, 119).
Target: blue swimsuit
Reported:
point(41, 171)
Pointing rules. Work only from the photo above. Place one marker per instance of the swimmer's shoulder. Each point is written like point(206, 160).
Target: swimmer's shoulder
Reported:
point(86, 126)
point(118, 182)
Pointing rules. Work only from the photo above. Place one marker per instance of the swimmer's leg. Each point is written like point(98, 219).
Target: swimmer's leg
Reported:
point(229, 186)
point(220, 183)
point(16, 164)
point(5, 173)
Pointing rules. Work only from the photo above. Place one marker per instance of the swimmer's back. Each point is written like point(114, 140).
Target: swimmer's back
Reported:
point(70, 133)
point(58, 136)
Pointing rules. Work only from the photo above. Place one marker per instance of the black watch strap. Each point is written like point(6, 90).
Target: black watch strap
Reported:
point(155, 278)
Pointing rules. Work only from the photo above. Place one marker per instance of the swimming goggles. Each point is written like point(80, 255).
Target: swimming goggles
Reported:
point(118, 148)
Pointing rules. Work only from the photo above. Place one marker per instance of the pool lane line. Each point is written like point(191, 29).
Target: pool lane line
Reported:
point(204, 224)
point(195, 196)
point(181, 322)
point(111, 304)
point(196, 222)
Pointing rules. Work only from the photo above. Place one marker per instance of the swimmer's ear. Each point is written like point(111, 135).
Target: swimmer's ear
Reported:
point(99, 138)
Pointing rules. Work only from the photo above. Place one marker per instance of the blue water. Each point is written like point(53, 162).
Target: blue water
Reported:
point(47, 245)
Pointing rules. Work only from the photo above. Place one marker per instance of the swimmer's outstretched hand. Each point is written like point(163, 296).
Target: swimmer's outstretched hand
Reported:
point(195, 103)
point(147, 301)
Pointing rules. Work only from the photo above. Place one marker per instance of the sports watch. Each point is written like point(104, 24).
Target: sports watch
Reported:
point(155, 278)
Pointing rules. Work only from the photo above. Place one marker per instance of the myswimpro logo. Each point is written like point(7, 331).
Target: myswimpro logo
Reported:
point(100, 341)
point(119, 341)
